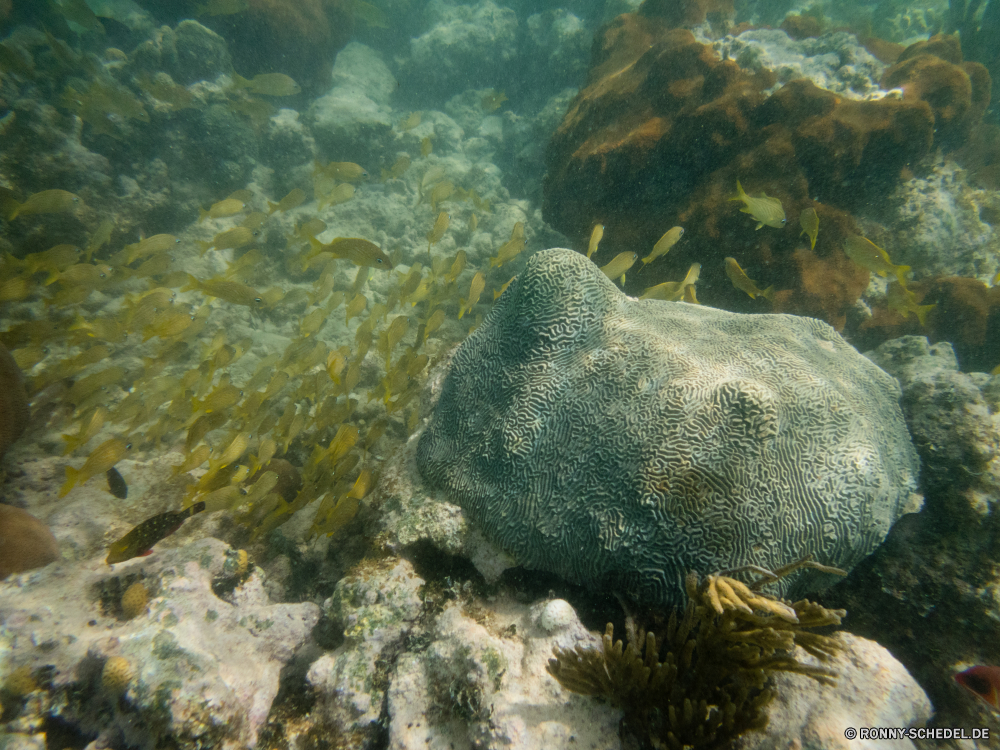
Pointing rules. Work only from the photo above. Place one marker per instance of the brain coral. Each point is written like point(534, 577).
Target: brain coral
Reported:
point(620, 442)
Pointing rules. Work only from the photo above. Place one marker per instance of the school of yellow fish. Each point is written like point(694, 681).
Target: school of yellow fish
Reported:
point(188, 395)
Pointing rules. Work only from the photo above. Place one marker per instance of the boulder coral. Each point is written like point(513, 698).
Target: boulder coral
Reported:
point(299, 38)
point(622, 443)
point(664, 128)
point(25, 542)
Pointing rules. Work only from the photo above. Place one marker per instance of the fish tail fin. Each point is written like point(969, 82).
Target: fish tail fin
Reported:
point(196, 508)
point(461, 309)
point(622, 279)
point(494, 262)
point(922, 311)
point(203, 245)
point(740, 192)
point(202, 214)
point(271, 208)
point(191, 285)
point(901, 272)
point(52, 277)
point(71, 443)
point(239, 82)
point(14, 211)
point(768, 293)
point(645, 260)
point(759, 224)
point(72, 477)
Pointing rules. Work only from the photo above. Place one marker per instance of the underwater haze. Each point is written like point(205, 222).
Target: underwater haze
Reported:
point(502, 375)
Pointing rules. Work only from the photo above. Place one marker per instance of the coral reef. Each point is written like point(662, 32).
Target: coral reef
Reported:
point(664, 129)
point(704, 679)
point(683, 486)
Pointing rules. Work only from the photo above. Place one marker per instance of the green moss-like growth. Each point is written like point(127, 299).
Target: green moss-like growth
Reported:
point(704, 680)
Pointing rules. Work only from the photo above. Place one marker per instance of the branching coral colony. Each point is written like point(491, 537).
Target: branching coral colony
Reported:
point(717, 658)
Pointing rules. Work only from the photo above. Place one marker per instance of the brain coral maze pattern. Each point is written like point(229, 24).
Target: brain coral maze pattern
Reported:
point(619, 442)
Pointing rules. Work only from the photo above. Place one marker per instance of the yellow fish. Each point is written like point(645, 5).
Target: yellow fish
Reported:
point(162, 87)
point(359, 251)
point(903, 301)
point(220, 210)
point(293, 200)
point(475, 289)
point(441, 192)
point(339, 194)
point(673, 291)
point(742, 282)
point(231, 239)
point(437, 231)
point(868, 255)
point(100, 237)
point(664, 244)
point(88, 429)
point(230, 291)
point(426, 146)
point(766, 211)
point(397, 169)
point(619, 265)
point(499, 292)
point(53, 260)
point(595, 239)
point(492, 100)
point(346, 171)
point(106, 455)
point(45, 202)
point(268, 84)
point(158, 243)
point(410, 122)
point(510, 249)
point(809, 221)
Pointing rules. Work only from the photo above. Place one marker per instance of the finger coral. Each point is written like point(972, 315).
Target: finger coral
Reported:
point(704, 680)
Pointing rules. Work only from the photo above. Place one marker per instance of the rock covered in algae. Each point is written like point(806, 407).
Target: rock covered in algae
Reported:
point(624, 442)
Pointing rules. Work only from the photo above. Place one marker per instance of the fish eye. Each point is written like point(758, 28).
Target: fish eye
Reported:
point(243, 491)
point(258, 300)
point(379, 260)
point(128, 446)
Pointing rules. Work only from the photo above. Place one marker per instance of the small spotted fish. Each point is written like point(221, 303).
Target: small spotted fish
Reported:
point(140, 540)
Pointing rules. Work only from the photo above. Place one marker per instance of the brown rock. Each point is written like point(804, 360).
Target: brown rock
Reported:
point(25, 542)
point(664, 129)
